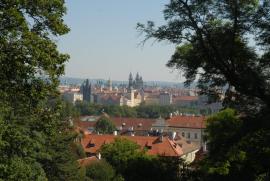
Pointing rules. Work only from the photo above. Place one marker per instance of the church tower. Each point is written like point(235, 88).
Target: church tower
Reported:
point(110, 84)
point(130, 81)
point(86, 90)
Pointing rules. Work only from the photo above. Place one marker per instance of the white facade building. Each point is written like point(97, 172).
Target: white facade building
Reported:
point(72, 97)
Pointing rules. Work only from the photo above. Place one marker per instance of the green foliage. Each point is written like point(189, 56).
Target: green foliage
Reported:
point(69, 111)
point(226, 43)
point(34, 137)
point(101, 171)
point(223, 129)
point(133, 164)
point(77, 150)
point(104, 126)
point(211, 39)
point(120, 152)
point(230, 153)
point(142, 111)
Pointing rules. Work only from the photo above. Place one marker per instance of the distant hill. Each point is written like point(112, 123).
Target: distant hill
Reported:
point(79, 81)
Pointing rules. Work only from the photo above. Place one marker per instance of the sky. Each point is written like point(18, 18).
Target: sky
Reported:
point(104, 43)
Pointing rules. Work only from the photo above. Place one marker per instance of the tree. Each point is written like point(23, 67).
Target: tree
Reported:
point(101, 171)
point(132, 162)
point(212, 43)
point(35, 140)
point(69, 110)
point(119, 153)
point(226, 45)
point(104, 126)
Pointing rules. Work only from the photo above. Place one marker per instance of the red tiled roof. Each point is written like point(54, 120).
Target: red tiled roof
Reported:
point(86, 124)
point(166, 147)
point(126, 123)
point(185, 98)
point(136, 123)
point(187, 121)
point(87, 161)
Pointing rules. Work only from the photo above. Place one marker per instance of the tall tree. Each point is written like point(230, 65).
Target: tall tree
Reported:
point(226, 44)
point(104, 125)
point(133, 163)
point(34, 141)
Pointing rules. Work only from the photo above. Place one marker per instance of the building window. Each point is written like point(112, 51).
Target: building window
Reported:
point(188, 135)
point(196, 136)
point(90, 145)
point(183, 134)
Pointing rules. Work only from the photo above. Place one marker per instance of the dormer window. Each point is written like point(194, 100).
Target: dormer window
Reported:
point(148, 145)
point(90, 145)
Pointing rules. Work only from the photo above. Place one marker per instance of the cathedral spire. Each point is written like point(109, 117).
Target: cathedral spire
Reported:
point(130, 80)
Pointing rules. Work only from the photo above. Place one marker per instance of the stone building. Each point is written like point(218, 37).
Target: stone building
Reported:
point(86, 90)
point(137, 83)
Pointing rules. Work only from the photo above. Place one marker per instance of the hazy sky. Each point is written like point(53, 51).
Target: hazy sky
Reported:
point(103, 42)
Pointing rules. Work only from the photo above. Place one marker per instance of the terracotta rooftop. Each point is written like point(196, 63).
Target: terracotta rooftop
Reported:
point(166, 147)
point(87, 161)
point(187, 121)
point(186, 145)
point(138, 124)
point(185, 98)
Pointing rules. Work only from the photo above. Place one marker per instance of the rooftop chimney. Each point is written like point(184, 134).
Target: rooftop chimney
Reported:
point(173, 135)
point(99, 156)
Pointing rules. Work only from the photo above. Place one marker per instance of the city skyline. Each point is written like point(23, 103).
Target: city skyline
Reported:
point(104, 43)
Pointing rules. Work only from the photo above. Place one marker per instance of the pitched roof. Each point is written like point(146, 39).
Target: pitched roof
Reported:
point(187, 121)
point(186, 145)
point(166, 147)
point(87, 161)
point(138, 124)
point(185, 98)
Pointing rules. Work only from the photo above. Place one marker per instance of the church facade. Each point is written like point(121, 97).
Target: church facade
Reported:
point(136, 83)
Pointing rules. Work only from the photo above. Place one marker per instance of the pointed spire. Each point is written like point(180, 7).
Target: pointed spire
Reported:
point(137, 76)
point(130, 76)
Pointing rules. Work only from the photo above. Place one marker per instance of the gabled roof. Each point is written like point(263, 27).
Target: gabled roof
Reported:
point(187, 121)
point(136, 123)
point(156, 146)
point(139, 124)
point(185, 98)
point(87, 161)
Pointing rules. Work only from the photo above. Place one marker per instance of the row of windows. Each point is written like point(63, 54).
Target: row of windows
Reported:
point(188, 135)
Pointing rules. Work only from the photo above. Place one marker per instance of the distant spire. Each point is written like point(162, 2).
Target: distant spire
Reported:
point(130, 80)
point(130, 76)
point(137, 76)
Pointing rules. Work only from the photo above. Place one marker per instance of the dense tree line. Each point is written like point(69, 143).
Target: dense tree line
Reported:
point(225, 43)
point(133, 164)
point(142, 111)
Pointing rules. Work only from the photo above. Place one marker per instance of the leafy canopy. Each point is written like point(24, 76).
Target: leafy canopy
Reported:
point(35, 140)
point(225, 43)
point(132, 162)
point(104, 126)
